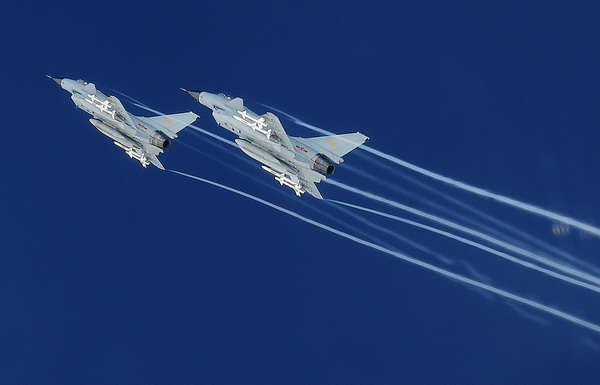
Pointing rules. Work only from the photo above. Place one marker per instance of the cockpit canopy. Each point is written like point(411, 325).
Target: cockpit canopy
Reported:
point(225, 96)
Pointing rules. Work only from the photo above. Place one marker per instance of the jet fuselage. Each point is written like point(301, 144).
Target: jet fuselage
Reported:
point(295, 162)
point(98, 105)
point(142, 138)
point(252, 128)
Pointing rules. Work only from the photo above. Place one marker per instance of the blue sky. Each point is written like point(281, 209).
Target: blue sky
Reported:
point(115, 274)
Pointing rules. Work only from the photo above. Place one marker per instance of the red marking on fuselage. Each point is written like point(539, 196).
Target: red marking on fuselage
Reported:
point(301, 148)
point(141, 125)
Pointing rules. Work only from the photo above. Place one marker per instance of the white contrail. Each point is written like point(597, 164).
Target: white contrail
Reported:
point(437, 206)
point(464, 186)
point(467, 230)
point(526, 314)
point(500, 198)
point(435, 269)
point(300, 122)
point(127, 96)
point(472, 243)
point(476, 274)
point(214, 136)
point(525, 237)
point(394, 234)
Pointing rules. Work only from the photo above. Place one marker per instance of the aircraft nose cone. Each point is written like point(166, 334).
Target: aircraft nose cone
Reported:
point(57, 80)
point(195, 94)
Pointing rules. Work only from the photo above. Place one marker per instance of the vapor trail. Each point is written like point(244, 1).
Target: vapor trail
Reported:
point(392, 233)
point(435, 269)
point(464, 186)
point(470, 231)
point(127, 96)
point(481, 192)
point(524, 237)
point(472, 243)
point(437, 206)
point(214, 136)
point(526, 314)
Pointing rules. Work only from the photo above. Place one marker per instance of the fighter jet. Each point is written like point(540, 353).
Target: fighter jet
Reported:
point(142, 139)
point(297, 163)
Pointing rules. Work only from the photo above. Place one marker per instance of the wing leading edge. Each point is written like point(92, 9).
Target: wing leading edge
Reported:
point(278, 131)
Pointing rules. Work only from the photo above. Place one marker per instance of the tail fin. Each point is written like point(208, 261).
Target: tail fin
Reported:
point(171, 124)
point(336, 146)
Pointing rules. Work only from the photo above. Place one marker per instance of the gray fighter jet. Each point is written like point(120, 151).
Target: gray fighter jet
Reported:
point(142, 139)
point(297, 163)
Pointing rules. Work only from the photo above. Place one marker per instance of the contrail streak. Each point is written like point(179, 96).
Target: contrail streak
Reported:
point(526, 314)
point(214, 136)
point(435, 269)
point(464, 186)
point(442, 195)
point(467, 230)
point(441, 208)
point(481, 192)
point(535, 242)
point(127, 96)
point(394, 234)
point(474, 273)
point(474, 244)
